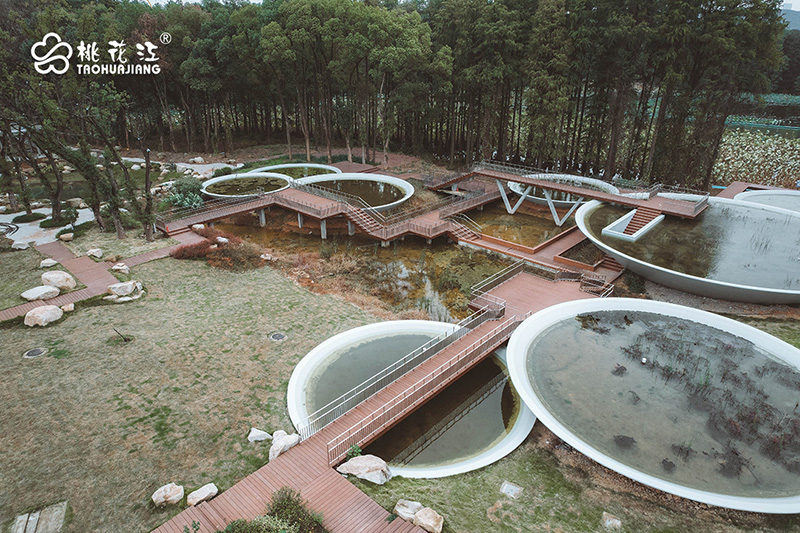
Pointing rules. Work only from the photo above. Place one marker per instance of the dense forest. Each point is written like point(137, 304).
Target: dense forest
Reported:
point(635, 89)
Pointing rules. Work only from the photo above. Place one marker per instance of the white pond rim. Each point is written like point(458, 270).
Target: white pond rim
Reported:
point(230, 177)
point(532, 327)
point(305, 369)
point(270, 168)
point(403, 185)
point(686, 282)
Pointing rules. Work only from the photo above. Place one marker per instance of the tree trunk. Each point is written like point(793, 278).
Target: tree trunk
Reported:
point(147, 221)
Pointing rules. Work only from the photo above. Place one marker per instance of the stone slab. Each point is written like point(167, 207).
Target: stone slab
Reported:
point(52, 518)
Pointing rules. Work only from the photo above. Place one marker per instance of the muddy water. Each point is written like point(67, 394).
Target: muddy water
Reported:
point(739, 245)
point(408, 274)
point(374, 193)
point(350, 366)
point(529, 228)
point(464, 420)
point(708, 410)
point(245, 185)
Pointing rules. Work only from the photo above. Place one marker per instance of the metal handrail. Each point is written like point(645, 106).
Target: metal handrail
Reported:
point(467, 221)
point(497, 278)
point(597, 285)
point(414, 394)
point(337, 407)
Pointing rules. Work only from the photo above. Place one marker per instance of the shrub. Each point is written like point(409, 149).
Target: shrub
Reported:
point(224, 171)
point(635, 283)
point(28, 218)
point(262, 524)
point(79, 230)
point(185, 193)
point(192, 251)
point(128, 220)
point(212, 234)
point(288, 505)
point(354, 451)
point(237, 257)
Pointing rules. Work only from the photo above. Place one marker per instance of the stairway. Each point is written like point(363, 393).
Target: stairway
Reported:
point(611, 264)
point(640, 219)
point(461, 232)
point(363, 220)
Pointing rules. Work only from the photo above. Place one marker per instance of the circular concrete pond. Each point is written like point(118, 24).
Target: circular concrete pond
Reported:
point(474, 422)
point(688, 402)
point(246, 184)
point(734, 250)
point(378, 191)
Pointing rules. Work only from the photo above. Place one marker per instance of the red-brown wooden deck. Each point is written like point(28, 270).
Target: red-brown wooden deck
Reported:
point(737, 187)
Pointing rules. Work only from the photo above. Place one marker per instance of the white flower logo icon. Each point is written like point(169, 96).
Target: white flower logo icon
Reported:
point(49, 62)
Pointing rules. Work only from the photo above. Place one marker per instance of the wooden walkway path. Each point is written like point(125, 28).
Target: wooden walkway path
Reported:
point(93, 274)
point(737, 187)
point(307, 466)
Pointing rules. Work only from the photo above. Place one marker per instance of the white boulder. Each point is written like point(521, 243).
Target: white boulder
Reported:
point(43, 315)
point(68, 308)
point(47, 263)
point(206, 492)
point(367, 467)
point(610, 521)
point(198, 227)
point(281, 442)
point(136, 166)
point(20, 246)
point(66, 237)
point(406, 509)
point(42, 292)
point(122, 268)
point(124, 288)
point(75, 202)
point(429, 520)
point(197, 160)
point(169, 493)
point(256, 435)
point(95, 252)
point(59, 279)
point(222, 240)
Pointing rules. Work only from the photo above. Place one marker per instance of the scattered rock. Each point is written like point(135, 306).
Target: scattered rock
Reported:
point(610, 521)
point(187, 172)
point(42, 292)
point(204, 493)
point(123, 299)
point(281, 442)
point(406, 509)
point(367, 467)
point(75, 202)
point(43, 315)
point(256, 435)
point(95, 252)
point(122, 268)
point(198, 227)
point(222, 240)
point(66, 237)
point(47, 263)
point(100, 167)
point(68, 308)
point(197, 160)
point(169, 493)
point(429, 520)
point(266, 257)
point(124, 288)
point(59, 279)
point(136, 166)
point(20, 246)
point(111, 298)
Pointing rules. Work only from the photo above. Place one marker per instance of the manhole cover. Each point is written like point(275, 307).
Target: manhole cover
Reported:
point(278, 336)
point(34, 352)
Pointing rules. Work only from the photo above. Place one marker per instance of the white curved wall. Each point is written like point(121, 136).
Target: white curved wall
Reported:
point(693, 284)
point(533, 326)
point(229, 177)
point(778, 199)
point(270, 168)
point(406, 187)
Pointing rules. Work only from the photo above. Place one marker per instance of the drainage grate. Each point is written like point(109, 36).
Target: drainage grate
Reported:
point(278, 336)
point(34, 352)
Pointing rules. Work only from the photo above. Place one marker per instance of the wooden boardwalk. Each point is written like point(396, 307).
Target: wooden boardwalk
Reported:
point(737, 187)
point(668, 206)
point(94, 275)
point(307, 466)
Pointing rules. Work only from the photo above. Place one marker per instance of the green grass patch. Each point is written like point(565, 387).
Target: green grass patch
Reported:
point(28, 218)
point(19, 271)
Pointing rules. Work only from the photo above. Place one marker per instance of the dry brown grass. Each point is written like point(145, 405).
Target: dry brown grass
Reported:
point(104, 423)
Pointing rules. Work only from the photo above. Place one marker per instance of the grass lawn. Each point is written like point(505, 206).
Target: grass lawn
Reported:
point(111, 246)
point(19, 271)
point(104, 423)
